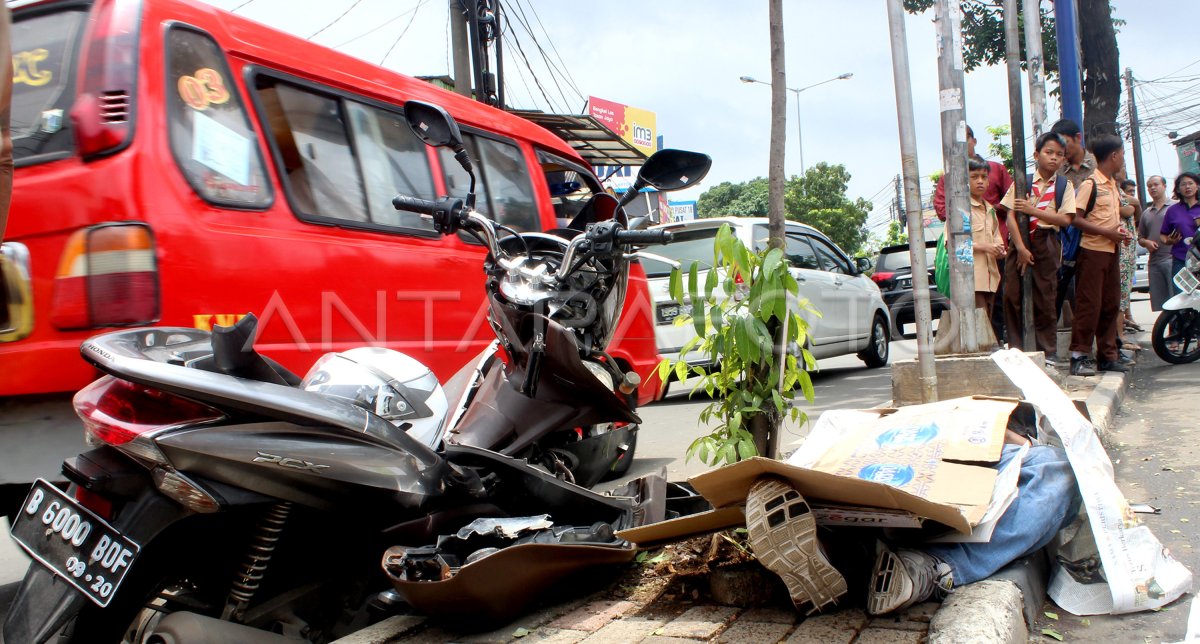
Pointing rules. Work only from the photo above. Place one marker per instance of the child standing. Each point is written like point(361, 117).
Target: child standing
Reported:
point(1098, 275)
point(985, 238)
point(1050, 207)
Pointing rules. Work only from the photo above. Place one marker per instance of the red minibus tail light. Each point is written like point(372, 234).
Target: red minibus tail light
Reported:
point(128, 415)
point(880, 278)
point(107, 276)
point(103, 111)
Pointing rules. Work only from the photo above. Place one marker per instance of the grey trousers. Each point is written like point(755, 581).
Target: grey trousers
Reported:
point(1161, 288)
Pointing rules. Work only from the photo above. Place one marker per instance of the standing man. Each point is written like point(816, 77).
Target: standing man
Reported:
point(1158, 265)
point(1097, 270)
point(1079, 165)
point(998, 183)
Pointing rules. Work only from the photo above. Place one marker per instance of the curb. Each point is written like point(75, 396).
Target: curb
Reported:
point(991, 610)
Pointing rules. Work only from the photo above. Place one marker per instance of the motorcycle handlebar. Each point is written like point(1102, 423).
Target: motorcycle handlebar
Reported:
point(414, 204)
point(643, 237)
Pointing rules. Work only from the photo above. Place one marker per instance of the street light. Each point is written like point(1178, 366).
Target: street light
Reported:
point(799, 130)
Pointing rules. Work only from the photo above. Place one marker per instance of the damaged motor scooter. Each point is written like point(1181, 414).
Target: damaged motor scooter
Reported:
point(227, 499)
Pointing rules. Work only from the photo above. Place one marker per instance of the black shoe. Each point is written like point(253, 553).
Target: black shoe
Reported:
point(1083, 366)
point(1114, 365)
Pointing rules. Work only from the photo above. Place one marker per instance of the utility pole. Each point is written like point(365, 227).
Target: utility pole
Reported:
point(1035, 62)
point(948, 19)
point(461, 48)
point(1136, 130)
point(912, 187)
point(1016, 120)
point(1066, 30)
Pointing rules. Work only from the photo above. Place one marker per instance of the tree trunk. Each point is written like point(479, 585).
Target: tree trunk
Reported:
point(767, 425)
point(1101, 68)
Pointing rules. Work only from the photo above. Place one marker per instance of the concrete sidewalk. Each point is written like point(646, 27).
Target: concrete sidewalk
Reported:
point(987, 611)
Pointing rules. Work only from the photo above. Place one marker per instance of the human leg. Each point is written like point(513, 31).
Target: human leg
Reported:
point(1014, 325)
point(1110, 313)
point(1047, 500)
point(1159, 275)
point(1047, 251)
point(1089, 285)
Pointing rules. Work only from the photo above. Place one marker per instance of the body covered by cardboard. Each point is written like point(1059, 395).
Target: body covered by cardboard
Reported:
point(933, 461)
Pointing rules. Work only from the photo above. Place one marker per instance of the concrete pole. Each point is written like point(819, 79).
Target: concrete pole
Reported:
point(1035, 64)
point(461, 49)
point(948, 19)
point(1016, 119)
point(1136, 130)
point(912, 200)
point(1066, 30)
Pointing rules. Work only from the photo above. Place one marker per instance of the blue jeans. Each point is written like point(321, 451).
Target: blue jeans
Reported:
point(1047, 501)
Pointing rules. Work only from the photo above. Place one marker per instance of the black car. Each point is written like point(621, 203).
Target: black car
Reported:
point(893, 274)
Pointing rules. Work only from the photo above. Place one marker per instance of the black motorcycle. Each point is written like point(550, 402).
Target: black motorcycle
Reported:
point(227, 499)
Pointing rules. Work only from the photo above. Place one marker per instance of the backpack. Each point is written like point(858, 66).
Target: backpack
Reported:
point(1071, 236)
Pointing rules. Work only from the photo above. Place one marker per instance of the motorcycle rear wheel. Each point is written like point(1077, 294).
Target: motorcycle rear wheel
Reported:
point(1176, 336)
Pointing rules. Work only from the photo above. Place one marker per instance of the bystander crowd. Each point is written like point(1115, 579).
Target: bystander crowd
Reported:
point(1078, 166)
point(1179, 222)
point(1131, 212)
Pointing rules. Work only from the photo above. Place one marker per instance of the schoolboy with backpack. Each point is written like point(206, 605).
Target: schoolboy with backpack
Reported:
point(1050, 208)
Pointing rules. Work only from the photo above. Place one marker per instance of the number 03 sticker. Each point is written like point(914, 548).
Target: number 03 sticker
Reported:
point(204, 88)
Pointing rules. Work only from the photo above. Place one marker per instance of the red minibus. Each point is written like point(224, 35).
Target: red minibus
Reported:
point(180, 165)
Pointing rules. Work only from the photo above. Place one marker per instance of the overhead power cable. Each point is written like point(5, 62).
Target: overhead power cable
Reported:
point(335, 20)
point(525, 59)
point(382, 25)
point(524, 22)
point(566, 72)
point(395, 42)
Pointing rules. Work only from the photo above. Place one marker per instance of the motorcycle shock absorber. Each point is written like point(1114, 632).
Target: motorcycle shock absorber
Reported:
point(262, 548)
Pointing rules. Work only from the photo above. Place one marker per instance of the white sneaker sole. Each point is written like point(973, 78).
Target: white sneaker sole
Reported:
point(891, 586)
point(783, 536)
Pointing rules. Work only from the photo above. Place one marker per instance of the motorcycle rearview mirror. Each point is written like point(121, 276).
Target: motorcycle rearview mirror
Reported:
point(668, 170)
point(438, 129)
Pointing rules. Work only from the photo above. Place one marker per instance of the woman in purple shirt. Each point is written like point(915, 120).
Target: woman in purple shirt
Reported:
point(1180, 220)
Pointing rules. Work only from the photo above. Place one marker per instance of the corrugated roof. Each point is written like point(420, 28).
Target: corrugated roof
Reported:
point(597, 144)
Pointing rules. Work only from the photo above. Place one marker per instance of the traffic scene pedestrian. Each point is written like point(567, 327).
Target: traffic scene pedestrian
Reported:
point(1158, 264)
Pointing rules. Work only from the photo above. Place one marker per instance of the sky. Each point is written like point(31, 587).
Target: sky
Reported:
point(682, 60)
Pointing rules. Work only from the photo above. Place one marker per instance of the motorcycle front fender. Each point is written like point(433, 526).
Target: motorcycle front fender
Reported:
point(1183, 301)
point(45, 603)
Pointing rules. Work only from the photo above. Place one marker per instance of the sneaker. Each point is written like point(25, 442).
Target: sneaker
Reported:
point(1114, 365)
point(1052, 362)
point(1083, 366)
point(783, 536)
point(905, 577)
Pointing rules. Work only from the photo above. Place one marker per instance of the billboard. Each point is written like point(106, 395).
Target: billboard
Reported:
point(683, 210)
point(635, 125)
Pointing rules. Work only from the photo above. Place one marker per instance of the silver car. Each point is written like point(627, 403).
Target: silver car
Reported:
point(853, 320)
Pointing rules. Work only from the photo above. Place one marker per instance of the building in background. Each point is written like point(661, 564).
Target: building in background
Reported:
point(1189, 154)
point(683, 210)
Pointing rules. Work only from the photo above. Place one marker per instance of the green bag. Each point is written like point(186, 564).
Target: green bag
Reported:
point(941, 266)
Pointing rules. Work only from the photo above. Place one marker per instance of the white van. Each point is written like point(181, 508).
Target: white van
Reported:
point(853, 320)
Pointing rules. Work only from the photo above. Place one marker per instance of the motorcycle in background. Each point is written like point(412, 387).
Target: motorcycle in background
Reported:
point(227, 499)
point(1176, 333)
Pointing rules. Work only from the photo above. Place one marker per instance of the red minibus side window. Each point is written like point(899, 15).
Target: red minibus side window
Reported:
point(211, 137)
point(507, 191)
point(44, 55)
point(342, 161)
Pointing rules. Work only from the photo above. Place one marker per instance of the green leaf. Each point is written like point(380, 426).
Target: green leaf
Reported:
point(1050, 615)
point(806, 386)
point(664, 368)
point(772, 261)
point(641, 556)
point(710, 283)
point(746, 450)
point(675, 285)
point(1050, 632)
point(681, 370)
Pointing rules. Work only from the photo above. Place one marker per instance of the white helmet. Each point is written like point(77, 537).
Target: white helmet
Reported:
point(388, 383)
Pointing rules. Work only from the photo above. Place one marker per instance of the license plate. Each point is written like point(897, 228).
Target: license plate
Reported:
point(668, 312)
point(73, 542)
